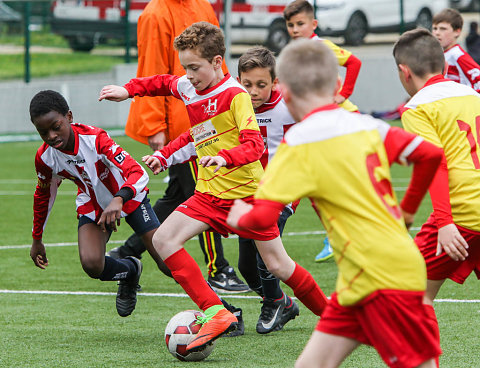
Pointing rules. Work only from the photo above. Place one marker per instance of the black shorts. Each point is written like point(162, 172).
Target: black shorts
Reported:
point(142, 220)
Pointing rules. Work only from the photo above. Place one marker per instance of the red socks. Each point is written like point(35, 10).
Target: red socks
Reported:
point(306, 290)
point(187, 273)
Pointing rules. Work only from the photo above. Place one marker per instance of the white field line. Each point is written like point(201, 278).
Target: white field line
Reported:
point(69, 244)
point(173, 295)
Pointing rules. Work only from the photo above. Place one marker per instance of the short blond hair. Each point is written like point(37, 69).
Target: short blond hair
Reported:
point(203, 37)
point(308, 66)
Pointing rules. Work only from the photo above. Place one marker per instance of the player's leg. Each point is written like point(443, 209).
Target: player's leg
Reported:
point(327, 251)
point(168, 242)
point(91, 247)
point(277, 307)
point(299, 279)
point(145, 223)
point(174, 195)
point(221, 275)
point(325, 351)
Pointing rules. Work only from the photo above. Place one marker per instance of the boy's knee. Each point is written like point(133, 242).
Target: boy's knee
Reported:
point(92, 268)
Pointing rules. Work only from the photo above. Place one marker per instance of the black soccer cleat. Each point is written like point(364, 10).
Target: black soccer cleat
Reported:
point(226, 281)
point(127, 291)
point(276, 313)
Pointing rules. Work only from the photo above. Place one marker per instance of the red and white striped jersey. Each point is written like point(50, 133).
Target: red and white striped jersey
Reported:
point(462, 68)
point(98, 166)
point(274, 120)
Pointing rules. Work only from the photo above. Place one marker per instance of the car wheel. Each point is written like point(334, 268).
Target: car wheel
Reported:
point(277, 37)
point(357, 29)
point(424, 19)
point(81, 43)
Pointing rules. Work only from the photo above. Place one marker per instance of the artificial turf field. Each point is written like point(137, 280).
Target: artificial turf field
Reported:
point(59, 317)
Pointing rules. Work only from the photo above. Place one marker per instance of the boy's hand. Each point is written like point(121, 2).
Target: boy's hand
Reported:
point(339, 99)
point(408, 218)
point(113, 93)
point(111, 215)
point(38, 254)
point(452, 242)
point(238, 209)
point(207, 161)
point(154, 164)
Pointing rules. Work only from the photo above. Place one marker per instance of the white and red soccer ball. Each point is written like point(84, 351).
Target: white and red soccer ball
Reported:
point(180, 331)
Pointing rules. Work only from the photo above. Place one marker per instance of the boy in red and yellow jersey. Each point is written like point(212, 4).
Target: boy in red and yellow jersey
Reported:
point(224, 135)
point(446, 114)
point(341, 160)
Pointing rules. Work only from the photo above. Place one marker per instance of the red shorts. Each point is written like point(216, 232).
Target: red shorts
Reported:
point(394, 322)
point(442, 266)
point(214, 211)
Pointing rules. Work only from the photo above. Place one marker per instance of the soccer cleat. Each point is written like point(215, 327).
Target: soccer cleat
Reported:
point(127, 291)
point(276, 313)
point(122, 252)
point(221, 323)
point(240, 330)
point(226, 281)
point(326, 253)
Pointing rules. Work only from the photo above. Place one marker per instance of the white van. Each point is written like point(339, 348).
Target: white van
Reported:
point(354, 19)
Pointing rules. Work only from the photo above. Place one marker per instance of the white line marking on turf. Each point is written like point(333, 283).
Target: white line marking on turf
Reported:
point(173, 295)
point(70, 244)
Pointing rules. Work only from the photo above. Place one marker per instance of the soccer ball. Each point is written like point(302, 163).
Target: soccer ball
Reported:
point(180, 331)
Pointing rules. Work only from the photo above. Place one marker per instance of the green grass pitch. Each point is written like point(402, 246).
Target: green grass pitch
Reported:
point(68, 325)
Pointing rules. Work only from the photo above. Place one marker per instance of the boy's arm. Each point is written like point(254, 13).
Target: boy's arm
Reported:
point(471, 70)
point(156, 85)
point(351, 63)
point(251, 144)
point(136, 178)
point(405, 148)
point(180, 150)
point(44, 197)
point(250, 149)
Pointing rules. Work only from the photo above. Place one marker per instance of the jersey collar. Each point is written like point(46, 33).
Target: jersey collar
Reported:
point(436, 79)
point(208, 90)
point(328, 107)
point(275, 98)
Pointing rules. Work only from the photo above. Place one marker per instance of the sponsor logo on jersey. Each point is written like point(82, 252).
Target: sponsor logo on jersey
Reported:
point(264, 121)
point(104, 174)
point(211, 107)
point(75, 162)
point(121, 157)
point(185, 97)
point(203, 131)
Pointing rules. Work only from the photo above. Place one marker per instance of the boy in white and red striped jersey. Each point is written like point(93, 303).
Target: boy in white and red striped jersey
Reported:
point(111, 185)
point(225, 137)
point(256, 72)
point(461, 68)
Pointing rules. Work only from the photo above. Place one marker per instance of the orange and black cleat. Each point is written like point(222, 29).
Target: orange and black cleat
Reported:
point(221, 323)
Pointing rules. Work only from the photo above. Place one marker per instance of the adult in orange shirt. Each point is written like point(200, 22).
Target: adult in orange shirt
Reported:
point(158, 120)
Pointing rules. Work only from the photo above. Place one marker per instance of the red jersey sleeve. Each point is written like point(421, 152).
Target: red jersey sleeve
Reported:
point(263, 215)
point(353, 65)
point(249, 150)
point(44, 197)
point(180, 150)
point(136, 178)
point(440, 195)
point(471, 70)
point(156, 85)
point(404, 148)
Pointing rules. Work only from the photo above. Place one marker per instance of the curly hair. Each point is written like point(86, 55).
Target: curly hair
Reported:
point(45, 101)
point(203, 37)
